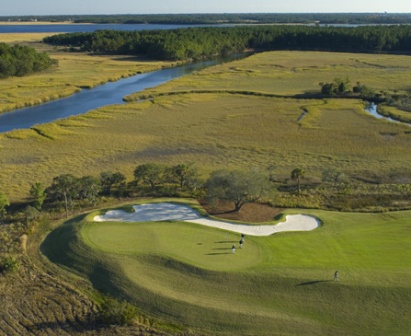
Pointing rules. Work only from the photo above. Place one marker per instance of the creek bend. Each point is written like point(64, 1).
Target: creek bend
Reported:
point(91, 99)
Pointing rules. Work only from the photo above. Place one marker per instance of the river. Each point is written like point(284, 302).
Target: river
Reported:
point(86, 28)
point(90, 99)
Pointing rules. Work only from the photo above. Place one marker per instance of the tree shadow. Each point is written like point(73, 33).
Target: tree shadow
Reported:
point(312, 282)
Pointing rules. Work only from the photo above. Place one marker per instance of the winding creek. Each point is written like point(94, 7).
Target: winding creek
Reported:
point(109, 94)
point(90, 99)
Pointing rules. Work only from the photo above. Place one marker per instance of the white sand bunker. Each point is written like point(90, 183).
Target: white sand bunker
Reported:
point(154, 212)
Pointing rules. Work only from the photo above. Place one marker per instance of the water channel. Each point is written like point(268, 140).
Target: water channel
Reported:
point(371, 108)
point(90, 99)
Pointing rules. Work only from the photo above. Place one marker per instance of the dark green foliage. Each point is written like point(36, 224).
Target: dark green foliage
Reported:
point(206, 42)
point(20, 60)
point(8, 264)
point(152, 174)
point(297, 174)
point(236, 186)
point(114, 312)
point(38, 193)
point(214, 18)
point(112, 183)
point(4, 202)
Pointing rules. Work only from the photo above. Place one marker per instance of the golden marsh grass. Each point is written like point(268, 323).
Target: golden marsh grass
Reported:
point(214, 131)
point(74, 71)
point(297, 72)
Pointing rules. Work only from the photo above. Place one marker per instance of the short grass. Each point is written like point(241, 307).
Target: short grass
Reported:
point(279, 285)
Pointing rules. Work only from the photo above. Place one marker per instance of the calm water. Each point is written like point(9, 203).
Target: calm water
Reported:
point(77, 28)
point(371, 108)
point(86, 100)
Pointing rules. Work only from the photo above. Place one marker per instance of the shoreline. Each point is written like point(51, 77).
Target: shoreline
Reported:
point(27, 23)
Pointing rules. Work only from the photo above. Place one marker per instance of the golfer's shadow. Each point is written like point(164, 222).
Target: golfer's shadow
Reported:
point(226, 242)
point(218, 253)
point(312, 282)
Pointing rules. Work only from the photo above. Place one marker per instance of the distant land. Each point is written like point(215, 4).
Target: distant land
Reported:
point(241, 18)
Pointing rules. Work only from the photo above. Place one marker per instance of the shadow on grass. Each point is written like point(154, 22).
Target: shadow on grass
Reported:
point(222, 248)
point(226, 241)
point(313, 282)
point(218, 253)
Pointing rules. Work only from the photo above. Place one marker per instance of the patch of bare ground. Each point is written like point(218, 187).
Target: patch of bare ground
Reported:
point(250, 212)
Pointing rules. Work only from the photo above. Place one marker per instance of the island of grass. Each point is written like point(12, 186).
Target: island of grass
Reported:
point(186, 275)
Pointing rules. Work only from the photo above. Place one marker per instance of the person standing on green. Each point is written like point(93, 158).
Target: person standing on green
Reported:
point(336, 276)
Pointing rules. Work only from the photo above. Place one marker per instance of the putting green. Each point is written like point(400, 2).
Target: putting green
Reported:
point(185, 274)
point(191, 243)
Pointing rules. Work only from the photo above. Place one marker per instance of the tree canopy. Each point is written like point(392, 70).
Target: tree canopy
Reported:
point(207, 42)
point(21, 60)
point(235, 186)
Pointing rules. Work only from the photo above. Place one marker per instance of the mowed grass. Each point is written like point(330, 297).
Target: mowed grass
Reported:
point(278, 285)
point(73, 72)
point(212, 130)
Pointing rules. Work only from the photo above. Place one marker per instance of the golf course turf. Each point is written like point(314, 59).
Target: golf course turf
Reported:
point(186, 275)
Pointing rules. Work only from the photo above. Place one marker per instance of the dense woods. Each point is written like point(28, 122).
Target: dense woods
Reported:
point(20, 60)
point(209, 18)
point(206, 42)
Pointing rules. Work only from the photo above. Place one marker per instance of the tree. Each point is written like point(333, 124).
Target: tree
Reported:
point(38, 192)
point(185, 174)
point(4, 202)
point(150, 173)
point(64, 187)
point(236, 186)
point(110, 181)
point(297, 174)
point(89, 188)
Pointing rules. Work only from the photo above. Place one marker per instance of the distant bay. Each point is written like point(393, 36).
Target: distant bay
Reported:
point(84, 28)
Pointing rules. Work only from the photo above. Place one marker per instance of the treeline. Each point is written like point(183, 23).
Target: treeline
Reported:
point(250, 18)
point(21, 60)
point(206, 42)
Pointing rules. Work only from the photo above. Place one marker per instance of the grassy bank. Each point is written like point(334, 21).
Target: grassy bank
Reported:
point(74, 71)
point(186, 275)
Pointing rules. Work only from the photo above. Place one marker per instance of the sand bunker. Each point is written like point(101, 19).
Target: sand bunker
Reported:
point(154, 212)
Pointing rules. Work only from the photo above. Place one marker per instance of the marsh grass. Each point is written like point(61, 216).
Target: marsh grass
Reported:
point(73, 72)
point(298, 72)
point(218, 128)
point(212, 130)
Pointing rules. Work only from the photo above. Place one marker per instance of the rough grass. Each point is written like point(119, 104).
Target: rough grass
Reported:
point(74, 71)
point(212, 130)
point(297, 72)
point(280, 284)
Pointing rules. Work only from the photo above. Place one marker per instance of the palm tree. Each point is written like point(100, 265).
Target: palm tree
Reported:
point(296, 174)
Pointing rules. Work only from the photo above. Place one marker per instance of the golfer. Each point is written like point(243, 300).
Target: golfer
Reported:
point(336, 276)
point(233, 249)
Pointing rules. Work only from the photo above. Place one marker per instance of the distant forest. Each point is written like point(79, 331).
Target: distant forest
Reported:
point(207, 42)
point(251, 18)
